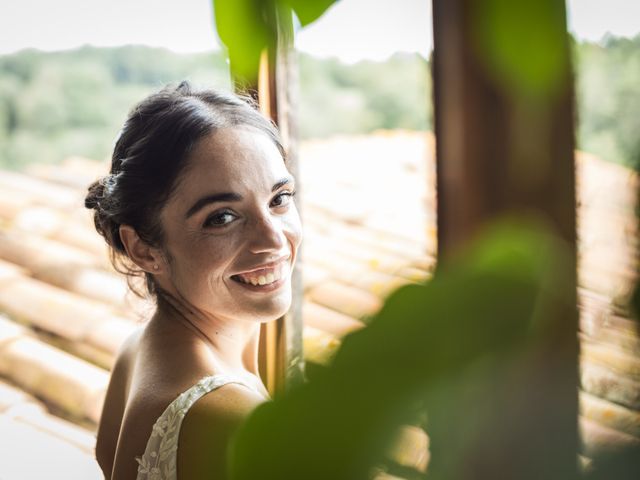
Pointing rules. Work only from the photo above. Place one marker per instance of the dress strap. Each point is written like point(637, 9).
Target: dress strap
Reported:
point(160, 456)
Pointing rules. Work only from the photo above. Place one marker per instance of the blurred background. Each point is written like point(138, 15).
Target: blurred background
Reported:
point(71, 70)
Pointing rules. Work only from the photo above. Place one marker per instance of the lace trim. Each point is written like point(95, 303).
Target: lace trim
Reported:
point(159, 459)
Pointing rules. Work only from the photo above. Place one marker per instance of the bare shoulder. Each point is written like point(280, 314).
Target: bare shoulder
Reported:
point(126, 352)
point(208, 428)
point(114, 404)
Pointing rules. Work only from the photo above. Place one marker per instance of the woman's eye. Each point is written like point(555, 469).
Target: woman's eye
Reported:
point(282, 199)
point(219, 219)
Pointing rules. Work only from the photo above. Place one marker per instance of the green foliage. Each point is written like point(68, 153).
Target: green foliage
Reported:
point(244, 28)
point(73, 103)
point(53, 105)
point(464, 345)
point(608, 79)
point(522, 44)
point(308, 11)
point(247, 27)
point(349, 99)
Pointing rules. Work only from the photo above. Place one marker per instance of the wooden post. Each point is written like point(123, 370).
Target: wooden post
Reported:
point(281, 356)
point(501, 149)
point(495, 154)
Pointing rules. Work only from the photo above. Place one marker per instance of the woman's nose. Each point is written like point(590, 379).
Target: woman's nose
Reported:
point(267, 235)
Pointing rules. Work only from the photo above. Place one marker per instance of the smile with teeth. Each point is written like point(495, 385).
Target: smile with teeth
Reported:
point(264, 276)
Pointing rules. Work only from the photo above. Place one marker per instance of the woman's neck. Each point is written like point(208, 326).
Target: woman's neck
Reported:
point(233, 344)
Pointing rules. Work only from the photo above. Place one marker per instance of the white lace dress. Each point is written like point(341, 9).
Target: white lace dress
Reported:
point(159, 459)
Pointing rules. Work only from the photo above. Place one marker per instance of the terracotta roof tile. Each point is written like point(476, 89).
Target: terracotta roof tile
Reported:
point(348, 300)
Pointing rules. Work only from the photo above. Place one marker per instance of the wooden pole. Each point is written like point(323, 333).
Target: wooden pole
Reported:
point(505, 149)
point(495, 152)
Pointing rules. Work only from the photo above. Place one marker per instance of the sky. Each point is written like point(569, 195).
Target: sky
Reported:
point(351, 29)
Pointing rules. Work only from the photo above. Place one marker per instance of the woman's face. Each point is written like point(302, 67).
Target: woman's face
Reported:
point(232, 230)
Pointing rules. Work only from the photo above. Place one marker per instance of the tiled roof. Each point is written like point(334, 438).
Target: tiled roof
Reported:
point(368, 205)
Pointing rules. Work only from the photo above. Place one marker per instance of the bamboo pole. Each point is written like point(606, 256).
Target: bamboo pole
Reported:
point(281, 356)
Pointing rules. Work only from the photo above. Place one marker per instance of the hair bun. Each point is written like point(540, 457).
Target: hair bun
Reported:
point(94, 195)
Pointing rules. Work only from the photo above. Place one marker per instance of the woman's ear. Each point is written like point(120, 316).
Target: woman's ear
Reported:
point(141, 253)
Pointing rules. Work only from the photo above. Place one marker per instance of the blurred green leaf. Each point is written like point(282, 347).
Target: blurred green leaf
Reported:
point(623, 464)
point(247, 27)
point(523, 43)
point(308, 11)
point(481, 313)
point(244, 30)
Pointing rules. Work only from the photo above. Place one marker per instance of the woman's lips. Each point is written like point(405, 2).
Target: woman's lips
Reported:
point(269, 287)
point(263, 278)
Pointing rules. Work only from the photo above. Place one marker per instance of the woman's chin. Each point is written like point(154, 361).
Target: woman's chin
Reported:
point(273, 311)
point(277, 313)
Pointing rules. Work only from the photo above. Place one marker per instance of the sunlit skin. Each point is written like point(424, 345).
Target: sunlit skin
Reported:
point(205, 247)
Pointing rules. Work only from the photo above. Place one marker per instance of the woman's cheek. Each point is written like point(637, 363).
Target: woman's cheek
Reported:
point(208, 259)
point(294, 227)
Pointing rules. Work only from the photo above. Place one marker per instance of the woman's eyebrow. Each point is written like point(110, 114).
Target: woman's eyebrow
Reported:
point(216, 197)
point(228, 197)
point(281, 182)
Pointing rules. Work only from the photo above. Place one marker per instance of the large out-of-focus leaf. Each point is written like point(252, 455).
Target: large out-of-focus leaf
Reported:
point(247, 27)
point(308, 11)
point(478, 314)
point(523, 43)
point(243, 28)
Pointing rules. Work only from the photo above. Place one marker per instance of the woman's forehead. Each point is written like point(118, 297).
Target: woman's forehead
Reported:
point(232, 159)
point(235, 150)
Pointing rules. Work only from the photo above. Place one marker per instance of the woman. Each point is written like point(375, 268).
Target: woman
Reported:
point(199, 202)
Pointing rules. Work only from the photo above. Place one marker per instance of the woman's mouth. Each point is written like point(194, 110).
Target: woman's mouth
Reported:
point(265, 279)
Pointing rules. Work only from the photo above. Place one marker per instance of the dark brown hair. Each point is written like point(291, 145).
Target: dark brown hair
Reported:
point(150, 155)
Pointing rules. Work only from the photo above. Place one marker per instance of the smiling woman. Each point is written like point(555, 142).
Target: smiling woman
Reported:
point(199, 202)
